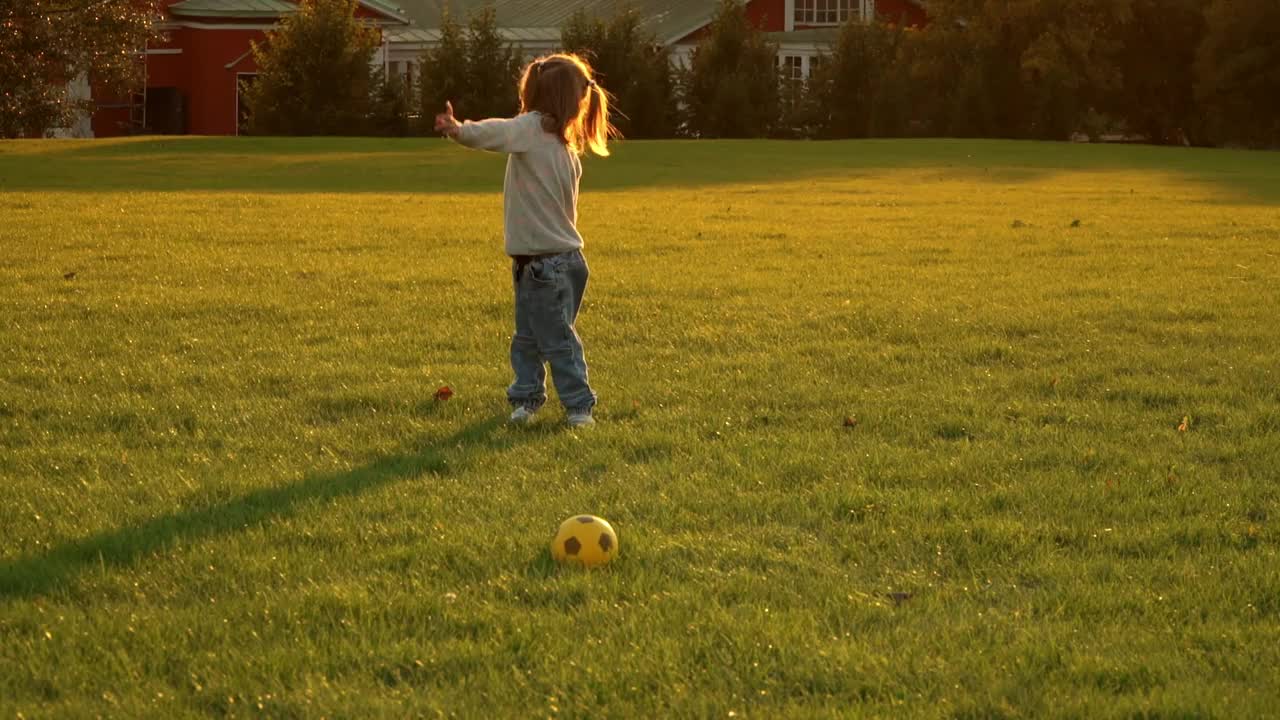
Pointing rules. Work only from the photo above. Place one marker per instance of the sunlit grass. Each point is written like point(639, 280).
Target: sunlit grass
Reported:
point(971, 429)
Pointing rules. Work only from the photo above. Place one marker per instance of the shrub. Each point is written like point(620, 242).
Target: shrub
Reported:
point(314, 73)
point(730, 88)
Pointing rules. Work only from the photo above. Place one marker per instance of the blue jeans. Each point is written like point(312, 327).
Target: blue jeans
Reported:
point(548, 295)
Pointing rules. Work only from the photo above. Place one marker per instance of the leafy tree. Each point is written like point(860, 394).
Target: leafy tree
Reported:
point(1024, 68)
point(967, 71)
point(632, 65)
point(472, 68)
point(46, 44)
point(1049, 68)
point(1156, 62)
point(1238, 72)
point(731, 86)
point(314, 73)
point(1069, 65)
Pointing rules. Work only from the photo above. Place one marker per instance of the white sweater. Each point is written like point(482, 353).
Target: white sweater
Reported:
point(540, 193)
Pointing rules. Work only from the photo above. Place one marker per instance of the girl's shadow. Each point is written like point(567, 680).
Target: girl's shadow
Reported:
point(38, 574)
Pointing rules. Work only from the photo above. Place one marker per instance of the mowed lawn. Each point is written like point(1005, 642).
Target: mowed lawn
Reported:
point(908, 429)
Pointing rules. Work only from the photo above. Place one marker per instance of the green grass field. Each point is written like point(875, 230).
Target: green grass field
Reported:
point(226, 488)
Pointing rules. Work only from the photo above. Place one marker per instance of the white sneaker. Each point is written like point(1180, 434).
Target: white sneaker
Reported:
point(522, 415)
point(581, 419)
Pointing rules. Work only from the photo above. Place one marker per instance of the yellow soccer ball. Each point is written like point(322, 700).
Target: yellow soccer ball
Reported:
point(585, 540)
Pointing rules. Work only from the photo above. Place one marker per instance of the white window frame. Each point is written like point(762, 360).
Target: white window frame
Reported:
point(809, 66)
point(796, 71)
point(410, 74)
point(805, 64)
point(826, 13)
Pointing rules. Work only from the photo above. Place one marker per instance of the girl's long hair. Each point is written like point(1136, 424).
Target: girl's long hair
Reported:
point(573, 105)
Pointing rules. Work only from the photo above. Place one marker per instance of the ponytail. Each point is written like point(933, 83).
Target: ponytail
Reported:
point(595, 126)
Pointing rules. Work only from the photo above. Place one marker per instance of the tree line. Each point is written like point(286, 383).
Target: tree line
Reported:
point(470, 66)
point(1161, 71)
point(1203, 72)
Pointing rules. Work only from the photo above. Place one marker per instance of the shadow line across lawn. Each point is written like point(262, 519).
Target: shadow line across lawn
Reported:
point(45, 572)
point(430, 166)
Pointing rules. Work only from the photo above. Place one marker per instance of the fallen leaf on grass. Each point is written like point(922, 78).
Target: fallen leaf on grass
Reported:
point(444, 393)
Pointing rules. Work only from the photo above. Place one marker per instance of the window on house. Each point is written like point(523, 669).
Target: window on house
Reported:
point(792, 67)
point(825, 12)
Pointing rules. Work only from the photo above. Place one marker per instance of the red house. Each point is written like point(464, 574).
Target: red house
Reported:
point(193, 77)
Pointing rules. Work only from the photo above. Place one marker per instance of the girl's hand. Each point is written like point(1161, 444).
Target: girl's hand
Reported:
point(446, 123)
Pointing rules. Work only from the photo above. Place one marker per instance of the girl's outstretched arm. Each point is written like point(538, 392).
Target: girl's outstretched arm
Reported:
point(499, 135)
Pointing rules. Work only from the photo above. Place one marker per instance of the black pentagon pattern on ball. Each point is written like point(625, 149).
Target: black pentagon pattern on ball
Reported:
point(606, 541)
point(586, 519)
point(572, 546)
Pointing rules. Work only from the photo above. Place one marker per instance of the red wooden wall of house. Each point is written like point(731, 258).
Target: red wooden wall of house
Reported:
point(768, 15)
point(197, 67)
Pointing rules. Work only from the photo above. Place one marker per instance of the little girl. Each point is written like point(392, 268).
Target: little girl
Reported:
point(563, 112)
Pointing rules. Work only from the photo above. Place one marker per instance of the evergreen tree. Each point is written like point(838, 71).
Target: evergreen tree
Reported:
point(442, 75)
point(314, 73)
point(389, 114)
point(731, 86)
point(857, 85)
point(472, 68)
point(1156, 62)
point(493, 69)
point(632, 65)
point(894, 110)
